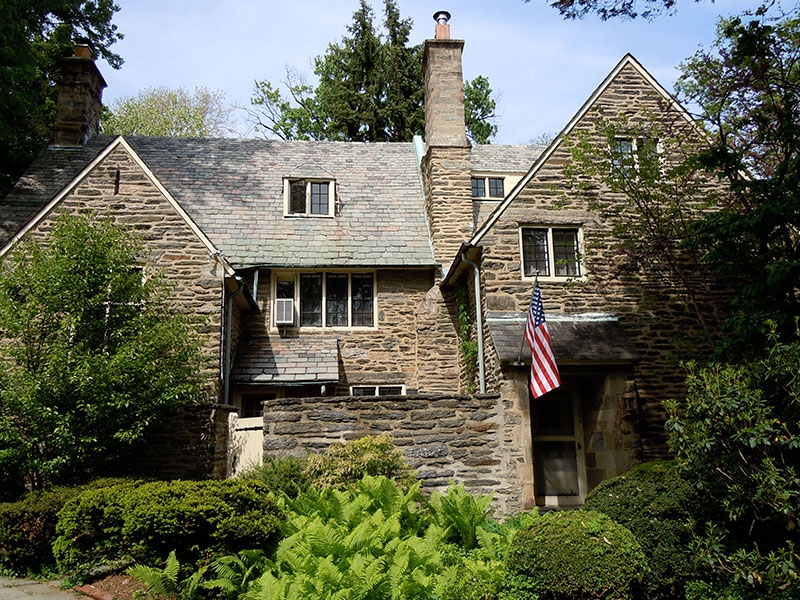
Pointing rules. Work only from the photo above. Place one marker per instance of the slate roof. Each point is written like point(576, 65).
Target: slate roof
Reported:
point(504, 159)
point(595, 338)
point(288, 361)
point(233, 190)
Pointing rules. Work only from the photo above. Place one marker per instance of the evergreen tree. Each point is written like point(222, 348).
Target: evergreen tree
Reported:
point(371, 88)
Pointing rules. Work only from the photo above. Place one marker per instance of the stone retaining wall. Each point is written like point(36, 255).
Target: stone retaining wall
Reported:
point(444, 437)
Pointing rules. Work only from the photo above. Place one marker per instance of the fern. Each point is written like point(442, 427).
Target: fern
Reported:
point(460, 514)
point(166, 581)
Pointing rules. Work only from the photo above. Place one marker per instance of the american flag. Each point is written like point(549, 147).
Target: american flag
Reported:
point(544, 371)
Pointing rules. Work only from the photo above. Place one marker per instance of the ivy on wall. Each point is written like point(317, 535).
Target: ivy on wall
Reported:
point(468, 345)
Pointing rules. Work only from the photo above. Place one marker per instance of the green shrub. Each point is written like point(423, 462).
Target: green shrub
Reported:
point(659, 507)
point(145, 522)
point(344, 465)
point(28, 528)
point(285, 474)
point(578, 555)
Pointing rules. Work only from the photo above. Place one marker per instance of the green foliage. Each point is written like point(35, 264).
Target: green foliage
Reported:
point(659, 507)
point(746, 86)
point(145, 522)
point(460, 514)
point(283, 475)
point(578, 554)
point(736, 437)
point(33, 35)
point(371, 89)
point(28, 529)
point(614, 9)
point(345, 464)
point(467, 344)
point(93, 354)
point(171, 112)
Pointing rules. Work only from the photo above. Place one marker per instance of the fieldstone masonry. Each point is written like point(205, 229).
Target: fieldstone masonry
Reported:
point(444, 437)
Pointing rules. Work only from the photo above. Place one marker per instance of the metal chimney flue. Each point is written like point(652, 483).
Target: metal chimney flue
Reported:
point(442, 28)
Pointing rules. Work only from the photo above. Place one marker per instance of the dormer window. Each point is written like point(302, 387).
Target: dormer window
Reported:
point(494, 185)
point(309, 198)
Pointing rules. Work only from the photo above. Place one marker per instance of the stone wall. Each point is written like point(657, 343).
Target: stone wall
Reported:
point(191, 444)
point(652, 304)
point(119, 188)
point(444, 437)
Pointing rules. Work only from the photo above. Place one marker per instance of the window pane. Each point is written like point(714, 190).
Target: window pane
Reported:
point(390, 390)
point(496, 187)
point(478, 187)
point(622, 156)
point(552, 413)
point(297, 200)
point(534, 252)
point(285, 289)
point(311, 300)
point(336, 300)
point(319, 198)
point(363, 304)
point(565, 252)
point(364, 390)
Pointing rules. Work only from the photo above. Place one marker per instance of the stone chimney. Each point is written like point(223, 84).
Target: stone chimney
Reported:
point(446, 164)
point(80, 94)
point(444, 87)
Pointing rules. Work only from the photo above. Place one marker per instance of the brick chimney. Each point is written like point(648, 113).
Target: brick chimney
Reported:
point(446, 164)
point(444, 87)
point(80, 94)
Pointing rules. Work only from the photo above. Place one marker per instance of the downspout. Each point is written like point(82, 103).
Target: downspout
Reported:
point(226, 383)
point(478, 321)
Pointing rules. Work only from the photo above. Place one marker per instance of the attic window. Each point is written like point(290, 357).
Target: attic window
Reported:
point(308, 198)
point(493, 184)
point(551, 251)
point(634, 156)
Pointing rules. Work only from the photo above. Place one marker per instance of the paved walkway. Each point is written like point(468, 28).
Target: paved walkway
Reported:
point(26, 589)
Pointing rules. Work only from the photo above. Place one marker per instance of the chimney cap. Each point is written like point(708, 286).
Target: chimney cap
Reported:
point(441, 17)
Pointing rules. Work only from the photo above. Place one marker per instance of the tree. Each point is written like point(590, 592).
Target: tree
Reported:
point(91, 353)
point(175, 112)
point(371, 88)
point(747, 89)
point(33, 35)
point(737, 438)
point(611, 9)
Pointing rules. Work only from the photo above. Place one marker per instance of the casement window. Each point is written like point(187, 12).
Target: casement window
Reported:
point(493, 185)
point(633, 156)
point(322, 299)
point(377, 390)
point(309, 198)
point(551, 251)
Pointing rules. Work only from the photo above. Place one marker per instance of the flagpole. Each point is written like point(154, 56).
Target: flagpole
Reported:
point(522, 341)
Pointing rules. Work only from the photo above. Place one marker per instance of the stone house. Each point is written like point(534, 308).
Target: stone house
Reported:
point(343, 284)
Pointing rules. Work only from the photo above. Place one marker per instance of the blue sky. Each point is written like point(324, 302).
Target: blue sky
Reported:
point(542, 67)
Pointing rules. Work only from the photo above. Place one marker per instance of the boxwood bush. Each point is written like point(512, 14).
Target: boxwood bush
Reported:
point(28, 528)
point(659, 507)
point(145, 522)
point(578, 555)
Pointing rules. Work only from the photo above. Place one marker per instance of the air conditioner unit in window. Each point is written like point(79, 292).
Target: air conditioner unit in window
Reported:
point(284, 311)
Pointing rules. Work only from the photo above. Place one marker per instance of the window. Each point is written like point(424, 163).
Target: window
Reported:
point(551, 251)
point(377, 390)
point(329, 299)
point(309, 198)
point(493, 184)
point(635, 156)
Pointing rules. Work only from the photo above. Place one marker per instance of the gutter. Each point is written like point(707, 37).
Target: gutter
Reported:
point(478, 320)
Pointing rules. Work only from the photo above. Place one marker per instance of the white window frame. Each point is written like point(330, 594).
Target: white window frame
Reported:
point(635, 141)
point(379, 389)
point(295, 276)
point(581, 276)
point(287, 197)
point(486, 187)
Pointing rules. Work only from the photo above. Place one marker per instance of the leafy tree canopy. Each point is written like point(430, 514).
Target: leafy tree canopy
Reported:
point(91, 354)
point(612, 9)
point(33, 35)
point(371, 88)
point(174, 112)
